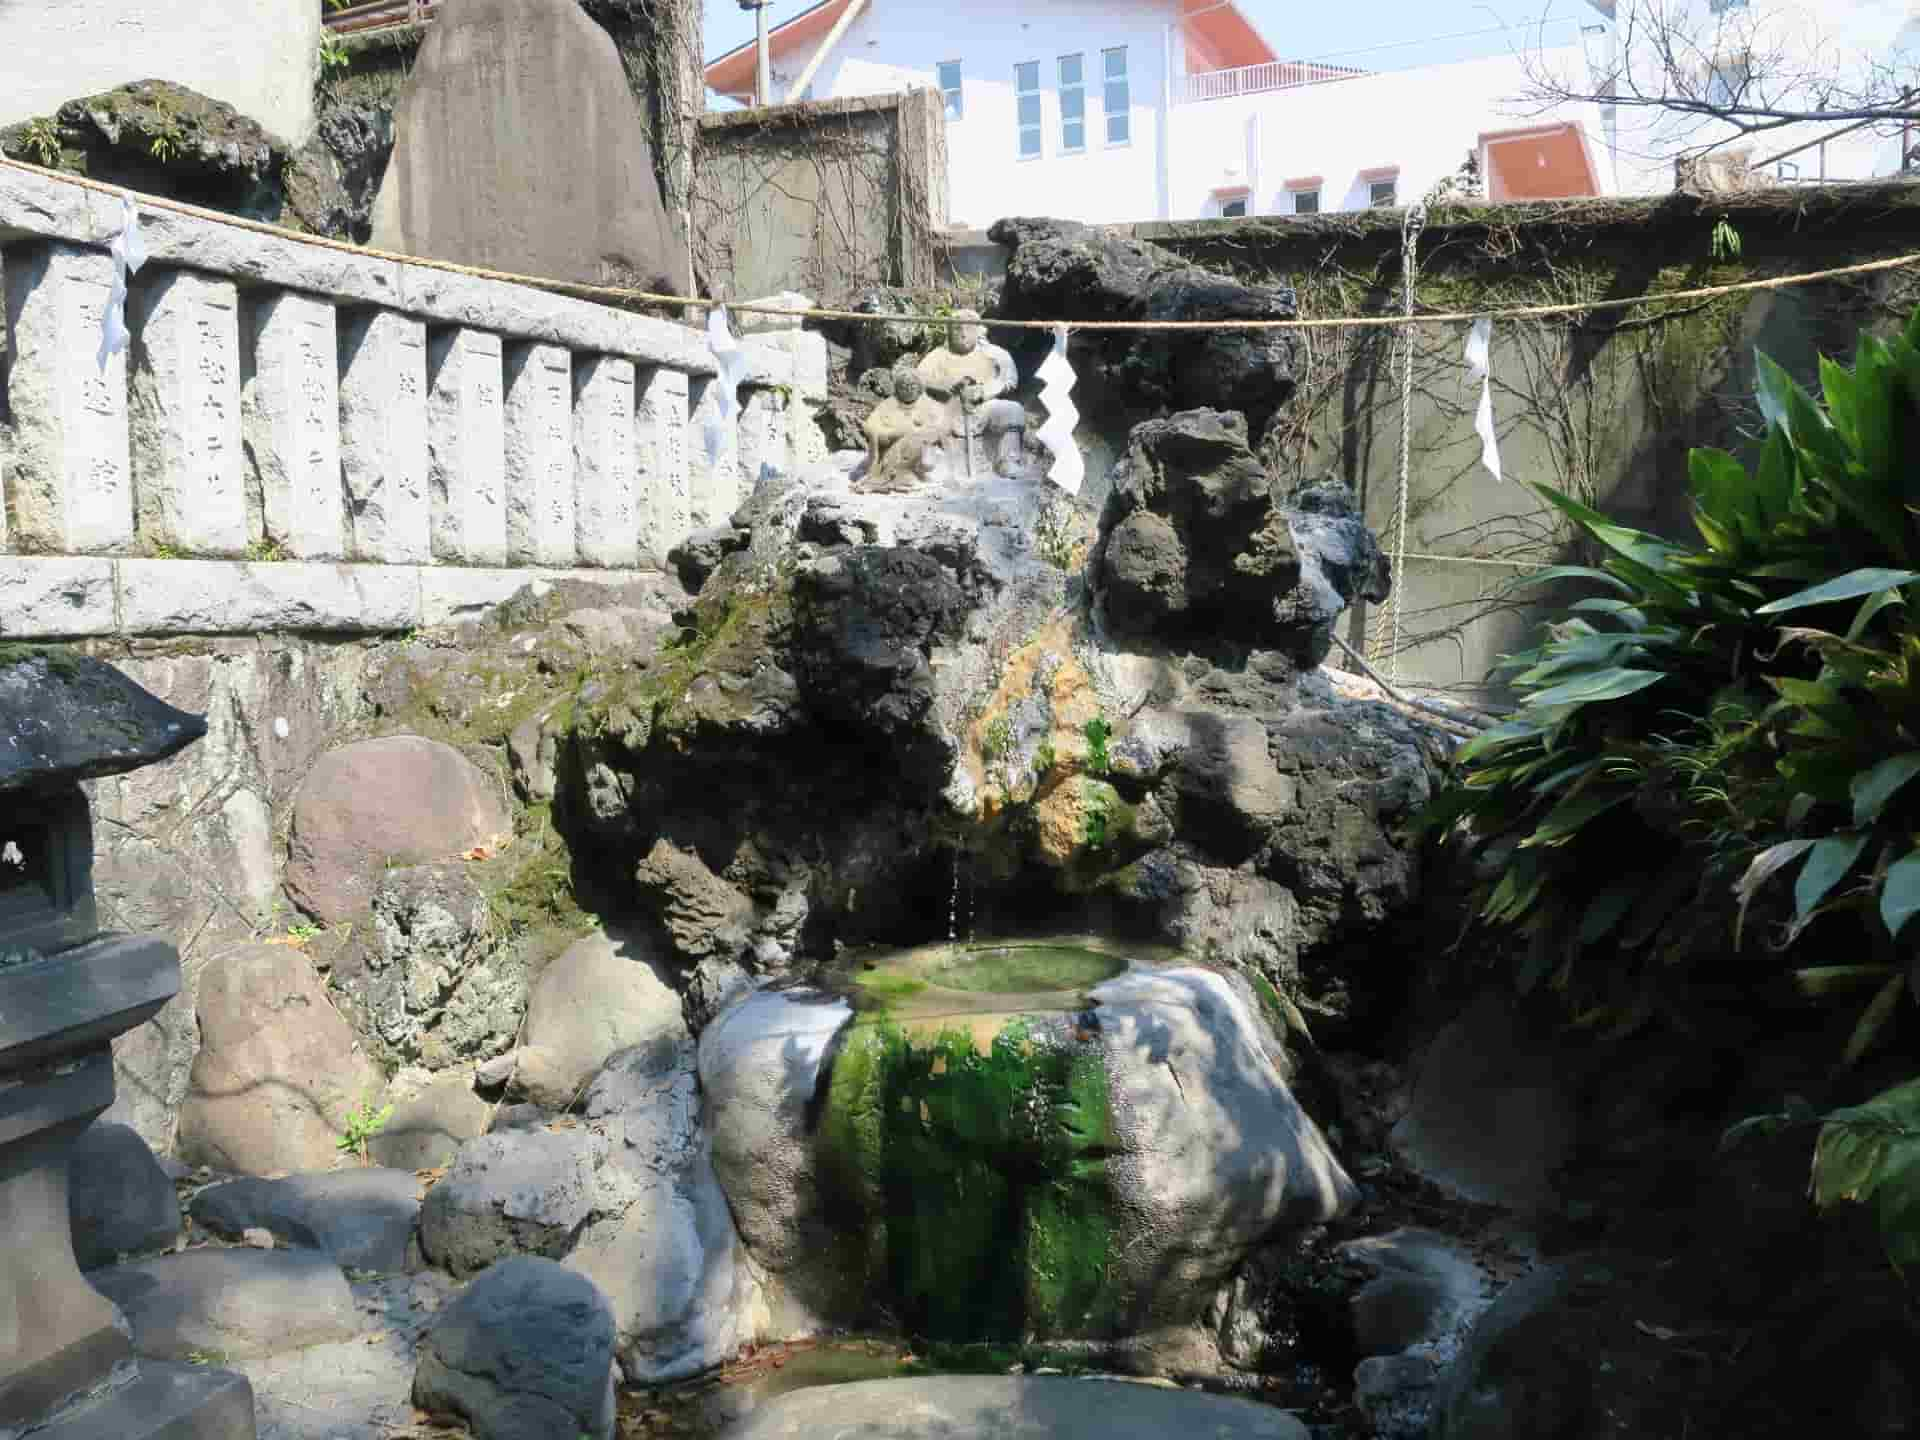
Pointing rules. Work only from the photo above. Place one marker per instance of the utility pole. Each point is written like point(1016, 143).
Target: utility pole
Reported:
point(762, 76)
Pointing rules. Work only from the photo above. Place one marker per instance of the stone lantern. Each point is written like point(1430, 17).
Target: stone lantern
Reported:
point(67, 1368)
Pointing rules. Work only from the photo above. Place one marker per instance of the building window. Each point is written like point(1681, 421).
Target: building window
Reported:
point(1306, 202)
point(1073, 104)
point(950, 88)
point(1234, 209)
point(1119, 103)
point(1382, 194)
point(1026, 87)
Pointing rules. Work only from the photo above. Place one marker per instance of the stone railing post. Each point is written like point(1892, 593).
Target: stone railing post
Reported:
point(290, 415)
point(539, 455)
point(71, 492)
point(383, 436)
point(665, 476)
point(466, 435)
point(606, 468)
point(189, 473)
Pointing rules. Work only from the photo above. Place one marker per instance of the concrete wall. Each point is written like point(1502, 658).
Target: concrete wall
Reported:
point(824, 198)
point(260, 56)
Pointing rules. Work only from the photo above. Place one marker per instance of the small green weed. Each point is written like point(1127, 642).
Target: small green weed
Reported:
point(363, 1123)
point(42, 141)
point(1098, 732)
point(1725, 244)
point(997, 739)
point(1044, 759)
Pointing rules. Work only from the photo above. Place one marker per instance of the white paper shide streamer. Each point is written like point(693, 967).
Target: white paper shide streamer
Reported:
point(1056, 388)
point(1479, 361)
point(129, 253)
point(731, 357)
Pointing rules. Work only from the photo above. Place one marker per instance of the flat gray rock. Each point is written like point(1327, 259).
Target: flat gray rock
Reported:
point(519, 1192)
point(525, 1354)
point(363, 1219)
point(1007, 1407)
point(223, 1304)
point(429, 1128)
point(119, 1200)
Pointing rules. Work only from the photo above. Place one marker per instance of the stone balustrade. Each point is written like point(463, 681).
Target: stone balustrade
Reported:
point(305, 437)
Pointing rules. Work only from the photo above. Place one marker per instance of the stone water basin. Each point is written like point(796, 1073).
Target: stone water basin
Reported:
point(1065, 1140)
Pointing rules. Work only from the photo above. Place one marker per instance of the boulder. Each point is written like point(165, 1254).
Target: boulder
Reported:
point(160, 138)
point(532, 200)
point(1529, 1367)
point(71, 717)
point(1150, 1145)
point(375, 804)
point(865, 624)
point(119, 1200)
point(663, 1248)
point(526, 1353)
point(427, 981)
point(1197, 546)
point(598, 996)
point(1000, 1407)
point(1061, 270)
point(231, 1304)
point(278, 1071)
point(1210, 1153)
point(705, 917)
point(759, 1066)
point(1491, 1117)
point(1424, 1287)
point(516, 1192)
point(428, 1128)
point(362, 1219)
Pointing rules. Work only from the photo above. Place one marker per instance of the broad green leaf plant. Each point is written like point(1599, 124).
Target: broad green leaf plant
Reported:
point(1741, 713)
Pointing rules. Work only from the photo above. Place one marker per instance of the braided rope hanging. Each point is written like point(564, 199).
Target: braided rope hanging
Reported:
point(1410, 228)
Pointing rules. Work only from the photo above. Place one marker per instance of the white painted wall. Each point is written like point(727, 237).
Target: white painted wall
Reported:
point(1425, 121)
point(893, 47)
point(260, 56)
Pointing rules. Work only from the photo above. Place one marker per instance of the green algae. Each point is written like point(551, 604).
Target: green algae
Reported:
point(1020, 969)
point(980, 1175)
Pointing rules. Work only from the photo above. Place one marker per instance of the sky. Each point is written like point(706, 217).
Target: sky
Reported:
point(1314, 32)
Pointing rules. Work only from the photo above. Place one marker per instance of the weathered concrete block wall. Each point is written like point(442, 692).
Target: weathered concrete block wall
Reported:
point(260, 56)
point(823, 197)
point(306, 438)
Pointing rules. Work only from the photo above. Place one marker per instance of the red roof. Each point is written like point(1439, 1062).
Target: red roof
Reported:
point(1219, 37)
point(732, 73)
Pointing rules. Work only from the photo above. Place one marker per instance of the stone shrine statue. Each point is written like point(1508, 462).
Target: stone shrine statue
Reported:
point(904, 435)
point(970, 376)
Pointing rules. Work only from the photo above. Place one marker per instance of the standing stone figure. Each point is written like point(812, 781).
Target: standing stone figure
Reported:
point(904, 435)
point(970, 375)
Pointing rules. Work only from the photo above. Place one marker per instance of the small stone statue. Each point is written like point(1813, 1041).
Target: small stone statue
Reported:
point(903, 436)
point(970, 375)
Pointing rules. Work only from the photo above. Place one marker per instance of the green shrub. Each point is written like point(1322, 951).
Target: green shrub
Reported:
point(1732, 714)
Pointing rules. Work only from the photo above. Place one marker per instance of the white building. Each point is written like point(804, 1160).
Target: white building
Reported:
point(1119, 110)
point(1772, 53)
